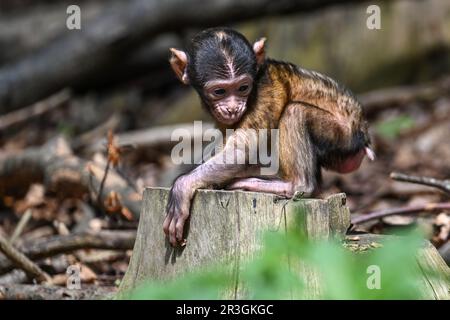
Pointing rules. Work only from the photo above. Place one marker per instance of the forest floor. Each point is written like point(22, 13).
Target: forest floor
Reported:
point(57, 219)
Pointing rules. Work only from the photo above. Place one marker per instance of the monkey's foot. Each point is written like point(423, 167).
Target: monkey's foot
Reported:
point(298, 195)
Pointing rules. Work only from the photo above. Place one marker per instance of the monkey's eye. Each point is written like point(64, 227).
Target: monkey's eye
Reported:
point(219, 92)
point(243, 88)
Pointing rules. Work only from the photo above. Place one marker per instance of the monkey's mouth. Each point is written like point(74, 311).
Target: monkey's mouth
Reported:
point(227, 117)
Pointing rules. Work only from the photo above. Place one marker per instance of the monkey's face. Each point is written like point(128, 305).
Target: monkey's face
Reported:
point(227, 99)
point(221, 65)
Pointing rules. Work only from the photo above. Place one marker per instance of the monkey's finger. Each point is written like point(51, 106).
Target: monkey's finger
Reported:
point(166, 223)
point(172, 232)
point(180, 227)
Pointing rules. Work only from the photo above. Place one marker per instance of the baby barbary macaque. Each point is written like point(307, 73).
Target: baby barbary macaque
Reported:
point(320, 122)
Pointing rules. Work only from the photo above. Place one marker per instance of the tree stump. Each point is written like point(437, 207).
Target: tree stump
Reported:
point(226, 226)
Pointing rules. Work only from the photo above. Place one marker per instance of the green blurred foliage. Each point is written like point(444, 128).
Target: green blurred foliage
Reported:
point(390, 129)
point(345, 273)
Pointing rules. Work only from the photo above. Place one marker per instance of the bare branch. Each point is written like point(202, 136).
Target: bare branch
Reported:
point(430, 207)
point(21, 261)
point(150, 137)
point(21, 225)
point(47, 247)
point(443, 185)
point(39, 292)
point(34, 110)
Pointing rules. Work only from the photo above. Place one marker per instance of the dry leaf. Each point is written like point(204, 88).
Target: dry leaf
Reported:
point(127, 213)
point(113, 150)
point(112, 202)
point(87, 275)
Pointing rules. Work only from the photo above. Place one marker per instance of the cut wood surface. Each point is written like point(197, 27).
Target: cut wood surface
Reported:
point(225, 226)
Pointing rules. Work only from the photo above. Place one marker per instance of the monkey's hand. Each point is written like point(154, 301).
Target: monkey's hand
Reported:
point(178, 210)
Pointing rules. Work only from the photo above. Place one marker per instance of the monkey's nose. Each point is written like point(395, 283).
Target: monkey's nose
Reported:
point(231, 111)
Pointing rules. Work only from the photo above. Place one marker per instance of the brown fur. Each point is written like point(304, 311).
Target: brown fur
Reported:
point(302, 105)
point(320, 123)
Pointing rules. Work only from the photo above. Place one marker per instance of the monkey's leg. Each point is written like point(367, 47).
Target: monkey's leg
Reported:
point(339, 143)
point(276, 186)
point(298, 161)
point(299, 170)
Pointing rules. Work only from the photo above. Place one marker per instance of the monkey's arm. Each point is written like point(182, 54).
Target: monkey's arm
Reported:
point(218, 170)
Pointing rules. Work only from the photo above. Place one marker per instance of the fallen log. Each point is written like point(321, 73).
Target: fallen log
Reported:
point(122, 28)
point(48, 247)
point(23, 262)
point(62, 172)
point(151, 137)
point(17, 27)
point(35, 110)
point(42, 292)
point(382, 99)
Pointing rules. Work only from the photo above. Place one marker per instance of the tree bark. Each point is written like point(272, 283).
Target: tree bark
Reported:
point(226, 226)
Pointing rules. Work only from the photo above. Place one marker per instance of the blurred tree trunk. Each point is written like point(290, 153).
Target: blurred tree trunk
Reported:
point(122, 28)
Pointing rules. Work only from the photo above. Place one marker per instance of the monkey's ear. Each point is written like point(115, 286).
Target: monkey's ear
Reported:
point(179, 61)
point(259, 49)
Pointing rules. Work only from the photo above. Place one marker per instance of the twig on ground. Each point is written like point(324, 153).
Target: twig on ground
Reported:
point(443, 185)
point(430, 207)
point(21, 225)
point(113, 159)
point(102, 183)
point(151, 137)
point(39, 292)
point(21, 261)
point(37, 109)
point(51, 246)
